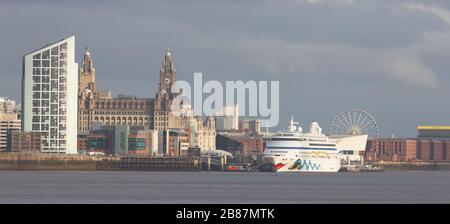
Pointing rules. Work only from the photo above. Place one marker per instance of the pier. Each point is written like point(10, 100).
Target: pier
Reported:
point(142, 163)
point(53, 162)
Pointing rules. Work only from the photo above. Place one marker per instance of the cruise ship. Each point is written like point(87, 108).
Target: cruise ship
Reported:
point(294, 151)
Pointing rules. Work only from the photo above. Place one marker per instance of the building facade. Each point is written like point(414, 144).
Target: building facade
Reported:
point(392, 149)
point(119, 140)
point(7, 106)
point(25, 141)
point(98, 107)
point(228, 118)
point(404, 150)
point(8, 123)
point(202, 133)
point(249, 126)
point(433, 132)
point(49, 96)
point(239, 142)
point(174, 142)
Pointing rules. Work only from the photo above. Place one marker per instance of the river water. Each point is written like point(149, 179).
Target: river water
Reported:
point(223, 187)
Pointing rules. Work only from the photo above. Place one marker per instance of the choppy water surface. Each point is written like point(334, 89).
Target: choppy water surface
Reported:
point(218, 187)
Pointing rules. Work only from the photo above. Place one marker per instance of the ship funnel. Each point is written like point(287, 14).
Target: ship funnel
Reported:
point(315, 129)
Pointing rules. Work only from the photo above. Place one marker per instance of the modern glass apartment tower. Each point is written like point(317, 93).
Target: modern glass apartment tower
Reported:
point(49, 96)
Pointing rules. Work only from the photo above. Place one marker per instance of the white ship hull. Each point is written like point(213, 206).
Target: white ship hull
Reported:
point(305, 163)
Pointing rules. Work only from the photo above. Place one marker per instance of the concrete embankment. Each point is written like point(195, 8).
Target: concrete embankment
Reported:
point(423, 165)
point(48, 162)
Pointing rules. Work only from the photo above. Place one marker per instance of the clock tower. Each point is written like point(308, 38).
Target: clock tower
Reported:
point(163, 118)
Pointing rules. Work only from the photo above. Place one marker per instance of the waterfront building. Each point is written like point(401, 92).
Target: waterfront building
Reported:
point(174, 142)
point(98, 107)
point(7, 106)
point(202, 133)
point(391, 149)
point(424, 148)
point(433, 132)
point(119, 140)
point(404, 150)
point(81, 142)
point(240, 143)
point(439, 150)
point(49, 96)
point(24, 141)
point(228, 118)
point(96, 142)
point(250, 126)
point(164, 118)
point(8, 122)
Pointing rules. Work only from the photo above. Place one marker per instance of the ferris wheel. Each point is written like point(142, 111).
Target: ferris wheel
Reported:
point(354, 122)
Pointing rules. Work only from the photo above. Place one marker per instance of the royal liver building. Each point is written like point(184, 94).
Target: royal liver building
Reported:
point(98, 107)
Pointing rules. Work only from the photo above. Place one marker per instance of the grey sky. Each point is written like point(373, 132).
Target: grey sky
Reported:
point(387, 57)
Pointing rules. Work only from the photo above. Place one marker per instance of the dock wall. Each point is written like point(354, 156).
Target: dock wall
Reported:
point(426, 165)
point(48, 162)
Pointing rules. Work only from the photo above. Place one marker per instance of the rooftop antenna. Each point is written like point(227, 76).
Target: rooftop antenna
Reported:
point(292, 124)
point(267, 128)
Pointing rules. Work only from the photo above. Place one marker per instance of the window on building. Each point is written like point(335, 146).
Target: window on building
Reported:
point(45, 87)
point(45, 95)
point(36, 118)
point(45, 103)
point(36, 63)
point(63, 56)
point(36, 103)
point(45, 111)
point(62, 88)
point(45, 118)
point(55, 51)
point(36, 95)
point(54, 85)
point(45, 71)
point(54, 98)
point(45, 79)
point(36, 79)
point(62, 80)
point(54, 61)
point(54, 73)
point(63, 47)
point(36, 71)
point(62, 72)
point(46, 54)
point(45, 63)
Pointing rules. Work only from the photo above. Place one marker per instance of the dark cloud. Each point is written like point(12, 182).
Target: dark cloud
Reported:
point(383, 56)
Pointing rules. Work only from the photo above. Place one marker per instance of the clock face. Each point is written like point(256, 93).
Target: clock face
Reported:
point(167, 81)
